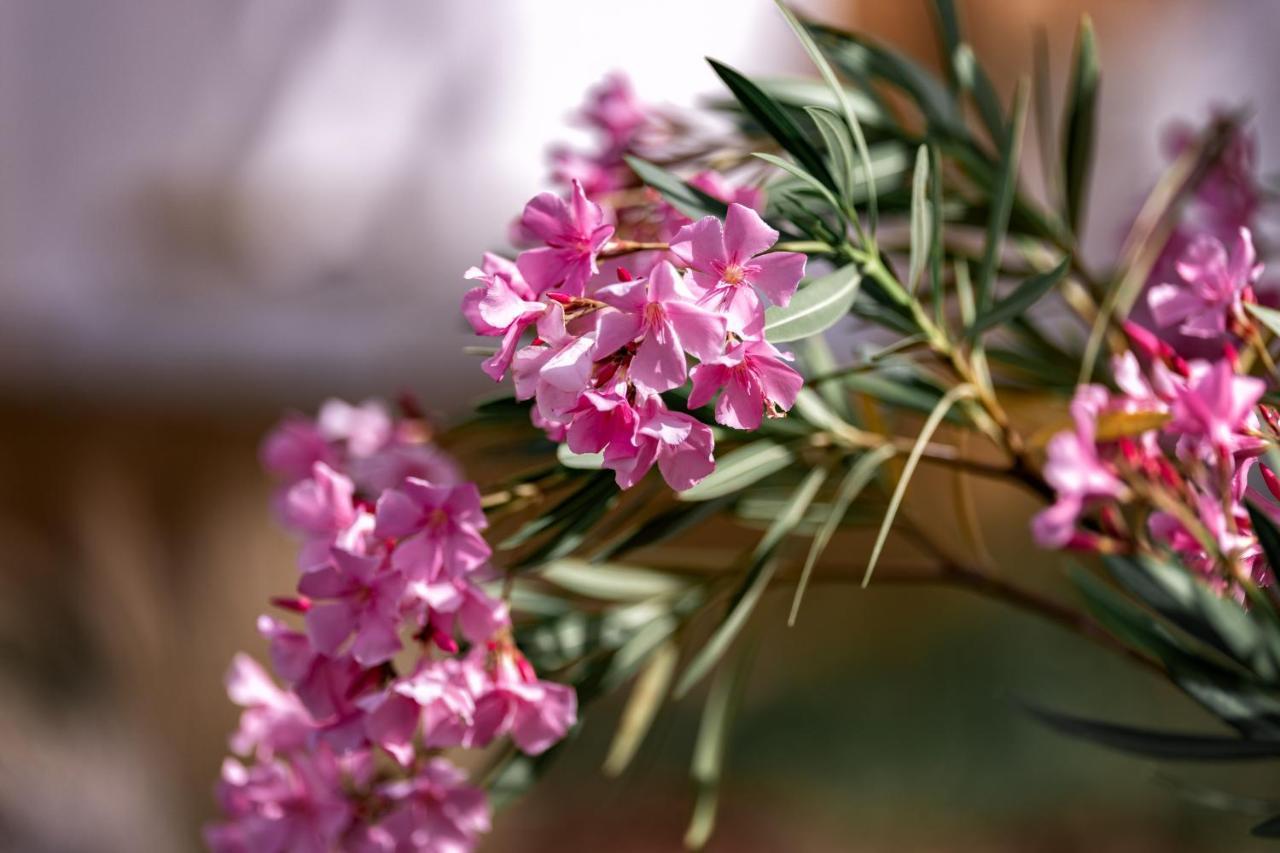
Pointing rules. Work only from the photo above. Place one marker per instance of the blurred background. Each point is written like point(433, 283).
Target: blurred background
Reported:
point(211, 212)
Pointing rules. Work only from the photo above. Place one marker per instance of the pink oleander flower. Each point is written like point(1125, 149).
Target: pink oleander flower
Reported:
point(1075, 470)
point(613, 108)
point(328, 687)
point(364, 429)
point(456, 604)
point(324, 511)
point(727, 263)
point(273, 720)
point(755, 379)
point(1212, 290)
point(556, 368)
point(598, 174)
point(439, 700)
point(296, 805)
point(660, 312)
point(292, 449)
point(574, 233)
point(719, 187)
point(504, 305)
point(680, 445)
point(533, 712)
point(1216, 406)
point(601, 418)
point(358, 595)
point(438, 528)
point(434, 812)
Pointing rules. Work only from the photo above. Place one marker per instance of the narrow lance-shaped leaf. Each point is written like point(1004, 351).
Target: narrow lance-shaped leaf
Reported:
point(895, 501)
point(854, 482)
point(1002, 194)
point(708, 750)
point(806, 178)
point(921, 219)
point(756, 581)
point(646, 698)
point(775, 121)
point(741, 467)
point(686, 198)
point(1023, 297)
point(1078, 122)
point(860, 142)
point(947, 24)
point(975, 82)
point(839, 150)
point(1173, 746)
point(935, 237)
point(1268, 317)
point(815, 307)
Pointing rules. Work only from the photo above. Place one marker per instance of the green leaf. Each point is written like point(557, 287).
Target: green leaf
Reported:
point(1269, 317)
point(610, 582)
point(579, 461)
point(1269, 828)
point(835, 135)
point(1002, 194)
point(1173, 746)
point(974, 81)
point(861, 58)
point(1023, 297)
point(805, 178)
point(815, 307)
point(931, 425)
point(741, 467)
point(921, 219)
point(662, 527)
point(646, 698)
point(935, 243)
point(1078, 122)
point(851, 118)
point(688, 199)
point(755, 582)
point(854, 482)
point(708, 750)
point(775, 121)
point(947, 24)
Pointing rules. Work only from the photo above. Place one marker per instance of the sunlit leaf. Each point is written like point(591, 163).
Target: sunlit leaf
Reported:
point(646, 698)
point(931, 425)
point(815, 307)
point(921, 219)
point(741, 467)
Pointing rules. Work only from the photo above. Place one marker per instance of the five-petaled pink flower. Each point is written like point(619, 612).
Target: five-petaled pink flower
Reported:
point(1075, 470)
point(438, 528)
point(1212, 288)
point(1216, 405)
point(727, 263)
point(574, 232)
point(502, 306)
point(680, 444)
point(661, 312)
point(360, 595)
point(755, 379)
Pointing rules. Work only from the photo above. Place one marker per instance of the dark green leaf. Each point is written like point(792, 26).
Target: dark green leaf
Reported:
point(689, 200)
point(1002, 195)
point(775, 121)
point(1173, 746)
point(1078, 123)
point(1023, 297)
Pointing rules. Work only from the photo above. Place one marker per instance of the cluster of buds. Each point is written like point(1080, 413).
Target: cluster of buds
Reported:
point(401, 653)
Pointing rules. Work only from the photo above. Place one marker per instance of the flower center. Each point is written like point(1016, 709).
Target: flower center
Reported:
point(733, 274)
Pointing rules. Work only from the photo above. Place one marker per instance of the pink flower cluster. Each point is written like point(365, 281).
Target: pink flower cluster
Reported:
point(1180, 436)
point(604, 350)
point(346, 754)
point(1207, 269)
